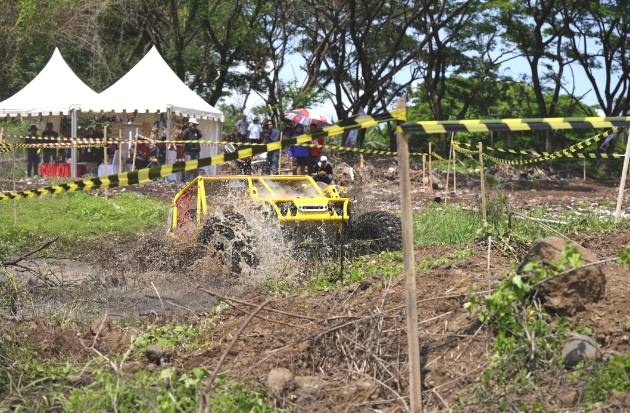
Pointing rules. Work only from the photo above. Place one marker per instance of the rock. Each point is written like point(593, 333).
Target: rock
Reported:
point(362, 387)
point(620, 398)
point(74, 380)
point(158, 354)
point(279, 380)
point(101, 325)
point(569, 399)
point(612, 354)
point(567, 294)
point(579, 348)
point(310, 385)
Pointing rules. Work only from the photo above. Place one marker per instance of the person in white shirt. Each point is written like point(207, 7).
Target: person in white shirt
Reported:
point(254, 131)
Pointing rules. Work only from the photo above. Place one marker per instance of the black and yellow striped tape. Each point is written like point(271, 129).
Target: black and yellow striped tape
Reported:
point(486, 125)
point(145, 175)
point(566, 151)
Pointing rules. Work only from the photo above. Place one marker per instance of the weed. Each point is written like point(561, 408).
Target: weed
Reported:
point(429, 263)
point(386, 264)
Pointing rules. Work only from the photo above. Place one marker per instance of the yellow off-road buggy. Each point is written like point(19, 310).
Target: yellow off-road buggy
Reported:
point(228, 213)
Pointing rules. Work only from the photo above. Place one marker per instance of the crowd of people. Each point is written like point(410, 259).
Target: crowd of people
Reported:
point(304, 160)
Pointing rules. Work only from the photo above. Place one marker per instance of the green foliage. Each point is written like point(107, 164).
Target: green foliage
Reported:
point(167, 335)
point(30, 382)
point(385, 264)
point(445, 224)
point(430, 263)
point(76, 217)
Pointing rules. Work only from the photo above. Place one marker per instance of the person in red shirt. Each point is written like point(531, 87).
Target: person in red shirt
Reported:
point(314, 153)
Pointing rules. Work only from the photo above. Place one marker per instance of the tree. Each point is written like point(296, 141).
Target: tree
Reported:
point(606, 25)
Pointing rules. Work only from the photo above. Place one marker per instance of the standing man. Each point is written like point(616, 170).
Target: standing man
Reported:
point(254, 131)
point(314, 153)
point(32, 156)
point(273, 135)
point(192, 150)
point(49, 152)
point(241, 128)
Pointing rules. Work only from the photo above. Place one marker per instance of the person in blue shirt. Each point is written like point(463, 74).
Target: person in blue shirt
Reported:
point(273, 135)
point(298, 155)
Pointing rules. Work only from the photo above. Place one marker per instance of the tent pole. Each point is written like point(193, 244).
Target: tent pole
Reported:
point(168, 123)
point(73, 167)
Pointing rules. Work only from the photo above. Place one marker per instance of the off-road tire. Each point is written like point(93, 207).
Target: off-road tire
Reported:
point(230, 246)
point(384, 229)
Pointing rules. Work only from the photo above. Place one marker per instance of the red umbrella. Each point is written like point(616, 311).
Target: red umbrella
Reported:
point(308, 116)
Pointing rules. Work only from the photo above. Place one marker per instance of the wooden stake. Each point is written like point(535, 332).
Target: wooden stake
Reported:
point(448, 170)
point(14, 190)
point(424, 157)
point(105, 155)
point(360, 161)
point(430, 171)
point(415, 389)
point(483, 183)
point(135, 149)
point(622, 184)
point(454, 170)
point(120, 151)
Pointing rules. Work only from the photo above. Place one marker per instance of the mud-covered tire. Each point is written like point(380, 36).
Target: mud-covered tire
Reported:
point(384, 229)
point(230, 247)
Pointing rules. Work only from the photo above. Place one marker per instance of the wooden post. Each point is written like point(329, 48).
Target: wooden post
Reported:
point(454, 169)
point(14, 190)
point(622, 184)
point(105, 153)
point(424, 157)
point(448, 169)
point(430, 171)
point(483, 183)
point(105, 156)
point(360, 161)
point(135, 149)
point(415, 390)
point(120, 151)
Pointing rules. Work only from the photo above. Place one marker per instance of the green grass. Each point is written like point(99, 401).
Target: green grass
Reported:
point(30, 384)
point(76, 217)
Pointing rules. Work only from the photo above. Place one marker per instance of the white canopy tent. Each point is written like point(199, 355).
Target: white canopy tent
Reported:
point(151, 87)
point(55, 92)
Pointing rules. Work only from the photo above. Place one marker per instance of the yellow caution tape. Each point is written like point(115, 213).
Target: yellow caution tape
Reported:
point(486, 125)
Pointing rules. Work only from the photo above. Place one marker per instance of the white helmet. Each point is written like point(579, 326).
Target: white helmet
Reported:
point(323, 159)
point(193, 120)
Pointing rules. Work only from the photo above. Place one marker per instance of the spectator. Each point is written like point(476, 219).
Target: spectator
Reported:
point(241, 128)
point(288, 130)
point(192, 150)
point(254, 131)
point(31, 153)
point(314, 154)
point(92, 155)
point(273, 135)
point(50, 154)
point(298, 155)
point(98, 133)
point(322, 171)
point(66, 133)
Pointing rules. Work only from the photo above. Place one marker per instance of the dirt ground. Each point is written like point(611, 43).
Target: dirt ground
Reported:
point(351, 340)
